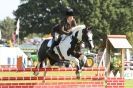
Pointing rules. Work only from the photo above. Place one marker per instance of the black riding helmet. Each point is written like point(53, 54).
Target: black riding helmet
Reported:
point(69, 12)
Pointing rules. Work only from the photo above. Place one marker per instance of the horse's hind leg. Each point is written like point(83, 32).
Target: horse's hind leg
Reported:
point(45, 61)
point(37, 67)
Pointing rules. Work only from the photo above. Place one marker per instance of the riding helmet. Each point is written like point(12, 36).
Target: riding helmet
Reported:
point(69, 12)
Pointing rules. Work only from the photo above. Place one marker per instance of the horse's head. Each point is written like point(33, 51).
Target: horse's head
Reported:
point(85, 35)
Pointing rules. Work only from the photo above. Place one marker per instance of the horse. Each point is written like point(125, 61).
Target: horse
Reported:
point(66, 49)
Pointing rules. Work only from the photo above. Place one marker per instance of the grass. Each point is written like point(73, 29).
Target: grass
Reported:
point(129, 84)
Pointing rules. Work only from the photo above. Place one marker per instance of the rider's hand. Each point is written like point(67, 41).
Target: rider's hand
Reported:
point(80, 53)
point(69, 33)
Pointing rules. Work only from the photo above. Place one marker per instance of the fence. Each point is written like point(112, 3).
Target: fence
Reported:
point(57, 78)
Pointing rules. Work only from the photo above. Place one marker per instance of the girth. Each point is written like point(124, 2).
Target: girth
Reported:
point(58, 49)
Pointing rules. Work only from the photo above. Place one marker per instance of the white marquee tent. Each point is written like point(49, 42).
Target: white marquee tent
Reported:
point(8, 56)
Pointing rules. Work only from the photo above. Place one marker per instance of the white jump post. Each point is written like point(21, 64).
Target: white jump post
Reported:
point(116, 42)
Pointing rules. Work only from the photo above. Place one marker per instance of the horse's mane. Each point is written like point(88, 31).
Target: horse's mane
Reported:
point(78, 27)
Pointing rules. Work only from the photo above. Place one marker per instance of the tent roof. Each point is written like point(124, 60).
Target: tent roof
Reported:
point(119, 41)
point(28, 47)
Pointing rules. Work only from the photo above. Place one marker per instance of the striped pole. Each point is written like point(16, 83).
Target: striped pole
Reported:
point(53, 78)
point(50, 69)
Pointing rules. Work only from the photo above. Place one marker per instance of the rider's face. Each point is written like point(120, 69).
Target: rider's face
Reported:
point(70, 18)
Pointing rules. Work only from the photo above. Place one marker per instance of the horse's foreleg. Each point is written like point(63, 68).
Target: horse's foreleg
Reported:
point(83, 60)
point(78, 68)
point(78, 72)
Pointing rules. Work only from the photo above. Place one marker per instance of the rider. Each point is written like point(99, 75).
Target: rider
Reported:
point(63, 28)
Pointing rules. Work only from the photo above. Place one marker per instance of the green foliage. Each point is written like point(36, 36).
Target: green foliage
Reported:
point(105, 16)
point(7, 27)
point(38, 16)
point(34, 57)
point(116, 63)
point(130, 37)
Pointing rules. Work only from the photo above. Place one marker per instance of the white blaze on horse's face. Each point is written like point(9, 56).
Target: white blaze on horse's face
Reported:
point(90, 37)
point(84, 34)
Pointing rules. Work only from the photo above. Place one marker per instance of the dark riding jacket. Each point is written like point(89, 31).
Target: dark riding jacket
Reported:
point(64, 27)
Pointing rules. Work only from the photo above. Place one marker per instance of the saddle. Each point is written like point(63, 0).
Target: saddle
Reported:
point(50, 43)
point(57, 47)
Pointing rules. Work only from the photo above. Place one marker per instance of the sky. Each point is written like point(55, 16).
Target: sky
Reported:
point(7, 7)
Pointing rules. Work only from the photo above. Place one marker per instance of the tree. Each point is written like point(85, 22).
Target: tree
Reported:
point(130, 37)
point(7, 27)
point(38, 16)
point(105, 16)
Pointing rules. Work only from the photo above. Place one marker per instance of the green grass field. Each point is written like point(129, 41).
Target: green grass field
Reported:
point(129, 84)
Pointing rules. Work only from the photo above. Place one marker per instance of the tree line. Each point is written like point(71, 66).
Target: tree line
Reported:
point(104, 16)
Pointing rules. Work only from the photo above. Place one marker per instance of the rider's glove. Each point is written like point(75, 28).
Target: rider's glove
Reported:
point(69, 33)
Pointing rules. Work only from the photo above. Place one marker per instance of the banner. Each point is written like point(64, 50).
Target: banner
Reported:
point(17, 27)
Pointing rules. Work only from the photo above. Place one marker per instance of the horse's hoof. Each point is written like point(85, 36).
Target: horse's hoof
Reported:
point(45, 73)
point(43, 81)
point(36, 73)
point(78, 74)
point(78, 77)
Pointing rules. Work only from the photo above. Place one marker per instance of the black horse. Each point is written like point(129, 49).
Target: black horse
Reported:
point(66, 48)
